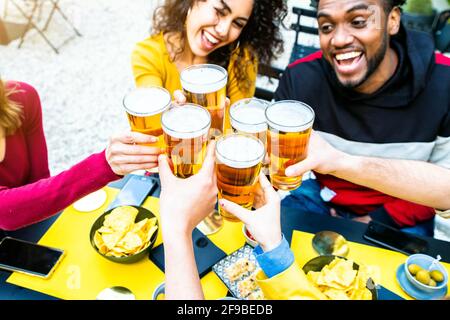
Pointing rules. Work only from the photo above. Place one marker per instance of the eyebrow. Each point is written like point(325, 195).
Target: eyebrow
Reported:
point(361, 6)
point(227, 8)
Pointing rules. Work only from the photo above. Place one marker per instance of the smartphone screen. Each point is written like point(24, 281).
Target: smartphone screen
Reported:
point(27, 257)
point(134, 192)
point(395, 239)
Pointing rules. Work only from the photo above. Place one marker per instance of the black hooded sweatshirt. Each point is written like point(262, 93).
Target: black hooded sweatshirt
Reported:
point(407, 118)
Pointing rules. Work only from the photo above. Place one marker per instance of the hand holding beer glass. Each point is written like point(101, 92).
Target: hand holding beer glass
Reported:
point(144, 107)
point(290, 124)
point(186, 130)
point(238, 164)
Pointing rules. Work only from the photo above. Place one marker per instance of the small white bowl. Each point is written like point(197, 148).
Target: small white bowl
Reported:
point(249, 240)
point(425, 262)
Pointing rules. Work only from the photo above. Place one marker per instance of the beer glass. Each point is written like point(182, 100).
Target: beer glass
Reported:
point(290, 124)
point(205, 84)
point(144, 107)
point(248, 116)
point(238, 163)
point(186, 130)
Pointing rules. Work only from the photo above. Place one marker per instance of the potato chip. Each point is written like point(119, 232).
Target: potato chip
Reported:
point(120, 236)
point(338, 280)
point(121, 218)
point(98, 240)
point(141, 225)
point(131, 241)
point(105, 230)
point(150, 233)
point(111, 239)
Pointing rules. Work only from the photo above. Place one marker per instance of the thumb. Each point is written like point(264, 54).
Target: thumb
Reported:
point(131, 137)
point(209, 161)
point(300, 168)
point(165, 173)
point(236, 210)
point(179, 97)
point(270, 194)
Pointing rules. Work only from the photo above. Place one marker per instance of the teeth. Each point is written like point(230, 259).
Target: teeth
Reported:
point(346, 56)
point(210, 38)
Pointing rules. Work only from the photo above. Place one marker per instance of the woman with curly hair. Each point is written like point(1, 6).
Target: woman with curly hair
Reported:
point(28, 194)
point(235, 34)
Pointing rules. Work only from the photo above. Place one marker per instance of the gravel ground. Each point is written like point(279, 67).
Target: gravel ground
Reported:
point(81, 88)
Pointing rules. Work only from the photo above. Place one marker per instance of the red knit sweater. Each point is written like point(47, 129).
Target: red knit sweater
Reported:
point(27, 192)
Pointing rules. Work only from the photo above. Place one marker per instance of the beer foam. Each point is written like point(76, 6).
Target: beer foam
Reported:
point(290, 116)
point(146, 101)
point(239, 151)
point(204, 78)
point(186, 122)
point(248, 115)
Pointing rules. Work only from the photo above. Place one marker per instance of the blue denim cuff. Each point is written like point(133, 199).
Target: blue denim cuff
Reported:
point(275, 261)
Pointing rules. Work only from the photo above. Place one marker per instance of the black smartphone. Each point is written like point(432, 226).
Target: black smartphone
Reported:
point(29, 258)
point(135, 191)
point(395, 239)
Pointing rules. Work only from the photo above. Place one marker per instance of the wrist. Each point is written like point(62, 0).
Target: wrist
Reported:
point(271, 243)
point(343, 163)
point(173, 229)
point(173, 236)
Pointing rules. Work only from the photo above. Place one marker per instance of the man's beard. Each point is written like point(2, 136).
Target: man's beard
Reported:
point(372, 66)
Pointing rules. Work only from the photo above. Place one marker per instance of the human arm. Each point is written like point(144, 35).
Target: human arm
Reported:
point(146, 62)
point(415, 181)
point(281, 277)
point(24, 205)
point(183, 204)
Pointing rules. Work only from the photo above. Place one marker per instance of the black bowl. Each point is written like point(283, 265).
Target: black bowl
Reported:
point(143, 213)
point(317, 264)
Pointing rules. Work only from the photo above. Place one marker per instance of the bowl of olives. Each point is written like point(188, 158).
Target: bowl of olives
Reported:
point(426, 273)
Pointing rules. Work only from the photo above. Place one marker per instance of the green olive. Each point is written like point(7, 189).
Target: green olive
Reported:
point(432, 283)
point(423, 276)
point(414, 268)
point(437, 276)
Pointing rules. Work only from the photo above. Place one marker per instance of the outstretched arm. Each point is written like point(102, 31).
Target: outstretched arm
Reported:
point(416, 181)
point(183, 204)
point(39, 200)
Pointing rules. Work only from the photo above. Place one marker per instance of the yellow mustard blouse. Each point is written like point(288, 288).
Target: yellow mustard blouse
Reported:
point(151, 65)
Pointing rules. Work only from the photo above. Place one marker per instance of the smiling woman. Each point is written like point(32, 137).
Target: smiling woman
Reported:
point(235, 34)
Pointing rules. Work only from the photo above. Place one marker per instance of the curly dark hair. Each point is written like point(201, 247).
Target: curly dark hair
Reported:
point(261, 37)
point(388, 4)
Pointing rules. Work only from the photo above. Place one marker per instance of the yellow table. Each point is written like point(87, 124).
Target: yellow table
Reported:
point(83, 273)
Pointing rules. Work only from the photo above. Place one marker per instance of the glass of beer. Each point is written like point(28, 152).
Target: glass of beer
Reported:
point(144, 107)
point(248, 116)
point(290, 124)
point(205, 84)
point(186, 130)
point(238, 163)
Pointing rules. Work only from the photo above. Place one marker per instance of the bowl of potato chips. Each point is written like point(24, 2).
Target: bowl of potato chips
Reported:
point(124, 234)
point(340, 279)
